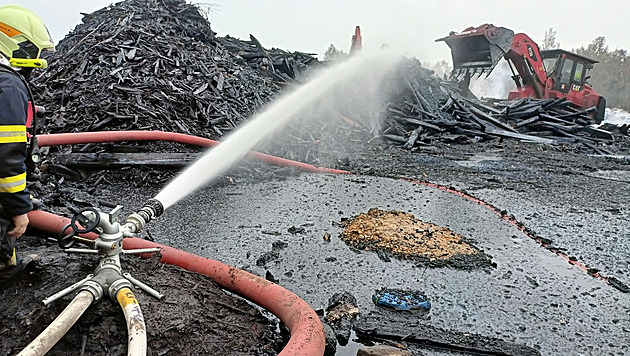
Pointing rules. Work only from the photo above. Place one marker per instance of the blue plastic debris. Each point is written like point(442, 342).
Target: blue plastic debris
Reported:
point(401, 299)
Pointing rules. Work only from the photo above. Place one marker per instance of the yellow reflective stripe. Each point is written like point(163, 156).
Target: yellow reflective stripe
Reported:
point(13, 184)
point(12, 133)
point(13, 179)
point(12, 128)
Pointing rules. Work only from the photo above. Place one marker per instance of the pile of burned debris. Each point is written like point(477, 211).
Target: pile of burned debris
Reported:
point(425, 110)
point(283, 66)
point(157, 65)
point(153, 65)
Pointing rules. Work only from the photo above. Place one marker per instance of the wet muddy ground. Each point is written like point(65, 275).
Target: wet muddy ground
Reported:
point(532, 297)
point(196, 317)
point(528, 298)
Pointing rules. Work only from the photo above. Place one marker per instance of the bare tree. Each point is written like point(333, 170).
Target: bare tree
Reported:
point(333, 54)
point(598, 48)
point(550, 41)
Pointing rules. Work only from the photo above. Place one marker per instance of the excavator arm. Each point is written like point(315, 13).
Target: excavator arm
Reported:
point(524, 57)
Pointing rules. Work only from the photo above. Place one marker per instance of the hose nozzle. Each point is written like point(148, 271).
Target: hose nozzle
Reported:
point(151, 210)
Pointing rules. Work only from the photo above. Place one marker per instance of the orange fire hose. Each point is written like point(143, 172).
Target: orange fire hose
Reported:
point(118, 136)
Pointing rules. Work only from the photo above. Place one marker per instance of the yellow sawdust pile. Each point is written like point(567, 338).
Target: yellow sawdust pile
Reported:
point(403, 235)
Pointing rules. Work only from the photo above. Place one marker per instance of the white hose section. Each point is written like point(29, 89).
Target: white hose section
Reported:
point(136, 330)
point(58, 328)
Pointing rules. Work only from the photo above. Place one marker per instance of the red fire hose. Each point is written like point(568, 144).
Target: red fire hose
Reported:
point(307, 333)
point(118, 136)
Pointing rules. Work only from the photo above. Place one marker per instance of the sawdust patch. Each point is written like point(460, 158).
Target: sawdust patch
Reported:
point(403, 235)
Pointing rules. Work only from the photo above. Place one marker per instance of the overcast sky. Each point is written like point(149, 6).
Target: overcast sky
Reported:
point(410, 25)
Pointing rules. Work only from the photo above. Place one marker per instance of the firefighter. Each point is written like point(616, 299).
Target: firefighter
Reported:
point(23, 37)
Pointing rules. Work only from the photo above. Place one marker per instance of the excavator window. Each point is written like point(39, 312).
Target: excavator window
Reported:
point(550, 65)
point(578, 76)
point(565, 75)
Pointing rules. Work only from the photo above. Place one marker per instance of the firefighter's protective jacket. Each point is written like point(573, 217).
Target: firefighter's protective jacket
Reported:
point(14, 197)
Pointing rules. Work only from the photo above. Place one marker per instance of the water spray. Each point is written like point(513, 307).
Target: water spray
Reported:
point(363, 70)
point(108, 278)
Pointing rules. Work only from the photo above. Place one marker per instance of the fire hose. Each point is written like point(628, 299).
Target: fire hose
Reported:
point(307, 334)
point(118, 136)
point(136, 330)
point(58, 328)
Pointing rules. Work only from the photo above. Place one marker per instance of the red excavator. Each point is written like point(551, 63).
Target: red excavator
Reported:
point(549, 74)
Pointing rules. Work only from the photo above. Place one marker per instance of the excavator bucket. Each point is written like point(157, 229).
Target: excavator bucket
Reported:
point(478, 50)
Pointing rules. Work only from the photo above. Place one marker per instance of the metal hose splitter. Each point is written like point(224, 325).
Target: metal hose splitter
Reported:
point(108, 277)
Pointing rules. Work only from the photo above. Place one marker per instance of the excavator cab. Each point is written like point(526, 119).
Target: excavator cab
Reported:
point(568, 70)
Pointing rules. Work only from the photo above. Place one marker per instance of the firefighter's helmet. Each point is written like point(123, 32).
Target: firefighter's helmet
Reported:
point(23, 37)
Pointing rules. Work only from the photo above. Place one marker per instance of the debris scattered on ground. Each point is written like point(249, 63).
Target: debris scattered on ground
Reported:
point(341, 311)
point(419, 337)
point(403, 235)
point(272, 255)
point(425, 110)
point(399, 299)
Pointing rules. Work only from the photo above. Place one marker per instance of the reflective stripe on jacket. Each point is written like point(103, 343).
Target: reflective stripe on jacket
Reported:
point(14, 197)
point(12, 133)
point(13, 184)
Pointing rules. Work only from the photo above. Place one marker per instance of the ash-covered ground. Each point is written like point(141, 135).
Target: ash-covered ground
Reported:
point(528, 300)
point(196, 317)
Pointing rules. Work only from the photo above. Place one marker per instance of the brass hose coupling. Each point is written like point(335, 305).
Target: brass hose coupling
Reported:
point(152, 209)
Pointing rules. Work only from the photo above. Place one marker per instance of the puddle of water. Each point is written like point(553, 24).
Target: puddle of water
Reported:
point(619, 176)
point(354, 344)
point(478, 159)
